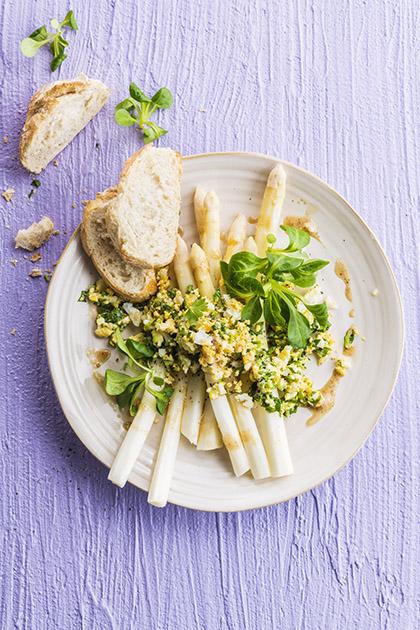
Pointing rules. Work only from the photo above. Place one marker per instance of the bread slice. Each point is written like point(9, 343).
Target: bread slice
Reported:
point(35, 235)
point(133, 283)
point(56, 114)
point(143, 218)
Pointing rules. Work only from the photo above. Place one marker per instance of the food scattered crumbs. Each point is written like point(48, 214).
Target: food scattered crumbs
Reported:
point(13, 261)
point(36, 257)
point(5, 139)
point(35, 273)
point(374, 292)
point(73, 205)
point(35, 235)
point(55, 162)
point(55, 232)
point(13, 331)
point(8, 194)
point(342, 365)
point(349, 337)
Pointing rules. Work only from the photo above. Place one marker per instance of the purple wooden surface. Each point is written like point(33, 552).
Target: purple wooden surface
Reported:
point(332, 86)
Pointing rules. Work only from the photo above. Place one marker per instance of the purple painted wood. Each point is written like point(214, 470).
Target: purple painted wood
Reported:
point(331, 86)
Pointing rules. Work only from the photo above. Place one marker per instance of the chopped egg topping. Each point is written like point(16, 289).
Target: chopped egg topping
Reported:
point(188, 332)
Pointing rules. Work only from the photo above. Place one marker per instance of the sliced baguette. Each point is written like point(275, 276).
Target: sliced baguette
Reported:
point(143, 218)
point(56, 114)
point(133, 283)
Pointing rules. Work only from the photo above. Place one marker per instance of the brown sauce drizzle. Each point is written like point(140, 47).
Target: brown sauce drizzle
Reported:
point(342, 272)
point(97, 357)
point(328, 392)
point(303, 222)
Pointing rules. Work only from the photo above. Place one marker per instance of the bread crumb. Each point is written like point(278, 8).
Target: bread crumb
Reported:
point(74, 205)
point(181, 230)
point(35, 257)
point(8, 194)
point(252, 220)
point(35, 273)
point(5, 139)
point(202, 110)
point(55, 162)
point(13, 331)
point(374, 292)
point(55, 232)
point(13, 261)
point(35, 235)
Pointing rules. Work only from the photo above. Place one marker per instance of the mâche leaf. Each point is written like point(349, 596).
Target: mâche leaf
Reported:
point(138, 109)
point(320, 312)
point(124, 118)
point(163, 98)
point(252, 310)
point(266, 285)
point(137, 94)
point(139, 350)
point(117, 382)
point(57, 44)
point(298, 239)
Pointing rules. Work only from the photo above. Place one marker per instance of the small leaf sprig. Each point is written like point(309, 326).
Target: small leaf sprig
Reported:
point(138, 108)
point(268, 286)
point(57, 44)
point(126, 387)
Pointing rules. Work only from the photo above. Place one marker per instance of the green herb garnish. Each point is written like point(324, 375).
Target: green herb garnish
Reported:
point(55, 40)
point(127, 387)
point(196, 310)
point(83, 295)
point(268, 286)
point(138, 108)
point(349, 338)
point(35, 183)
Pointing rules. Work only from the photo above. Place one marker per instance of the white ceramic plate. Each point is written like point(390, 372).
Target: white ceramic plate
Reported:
point(204, 480)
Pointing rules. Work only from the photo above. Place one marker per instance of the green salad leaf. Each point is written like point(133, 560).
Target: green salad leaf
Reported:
point(54, 39)
point(138, 108)
point(268, 286)
point(127, 387)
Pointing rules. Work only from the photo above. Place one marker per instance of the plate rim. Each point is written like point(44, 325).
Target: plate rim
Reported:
point(400, 333)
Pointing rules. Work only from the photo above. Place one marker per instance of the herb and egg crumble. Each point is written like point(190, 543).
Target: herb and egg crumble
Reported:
point(253, 339)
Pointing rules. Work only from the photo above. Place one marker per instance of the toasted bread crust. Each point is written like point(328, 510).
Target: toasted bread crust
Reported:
point(112, 220)
point(41, 106)
point(149, 288)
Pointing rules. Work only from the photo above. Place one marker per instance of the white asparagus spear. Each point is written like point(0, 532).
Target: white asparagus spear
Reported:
point(199, 211)
point(196, 393)
point(193, 407)
point(211, 234)
point(209, 437)
point(271, 425)
point(236, 237)
point(134, 439)
point(201, 269)
point(168, 447)
point(182, 268)
point(271, 207)
point(273, 434)
point(250, 439)
point(250, 436)
point(250, 245)
point(222, 411)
